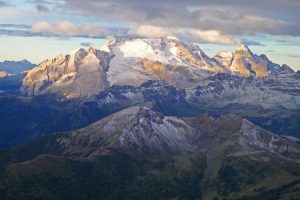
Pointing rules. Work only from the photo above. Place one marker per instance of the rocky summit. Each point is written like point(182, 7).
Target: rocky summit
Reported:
point(138, 150)
point(134, 61)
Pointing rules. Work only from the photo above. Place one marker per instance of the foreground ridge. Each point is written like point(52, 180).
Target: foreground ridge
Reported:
point(134, 148)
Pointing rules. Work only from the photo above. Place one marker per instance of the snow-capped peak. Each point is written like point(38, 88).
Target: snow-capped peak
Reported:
point(136, 60)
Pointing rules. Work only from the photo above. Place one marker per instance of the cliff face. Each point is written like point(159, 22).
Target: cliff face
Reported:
point(137, 149)
point(135, 61)
point(80, 74)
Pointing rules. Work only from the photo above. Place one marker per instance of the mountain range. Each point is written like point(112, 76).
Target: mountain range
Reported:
point(151, 119)
point(16, 67)
point(12, 73)
point(138, 153)
point(135, 61)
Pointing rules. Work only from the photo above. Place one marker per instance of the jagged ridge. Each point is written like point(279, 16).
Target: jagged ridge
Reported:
point(135, 61)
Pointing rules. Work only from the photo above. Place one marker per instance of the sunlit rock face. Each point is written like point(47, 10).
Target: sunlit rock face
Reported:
point(135, 61)
point(243, 62)
point(82, 73)
point(140, 131)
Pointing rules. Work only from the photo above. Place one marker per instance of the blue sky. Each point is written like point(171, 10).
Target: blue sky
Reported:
point(40, 29)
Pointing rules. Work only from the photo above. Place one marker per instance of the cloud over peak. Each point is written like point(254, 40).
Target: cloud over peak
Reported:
point(210, 21)
point(61, 28)
point(213, 36)
point(232, 17)
point(152, 31)
point(66, 28)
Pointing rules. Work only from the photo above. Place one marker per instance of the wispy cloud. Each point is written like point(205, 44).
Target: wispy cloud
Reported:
point(252, 43)
point(42, 8)
point(66, 28)
point(291, 55)
point(3, 4)
point(9, 13)
point(151, 31)
point(233, 17)
point(213, 36)
point(86, 44)
point(193, 35)
point(61, 28)
point(45, 5)
point(208, 21)
point(23, 26)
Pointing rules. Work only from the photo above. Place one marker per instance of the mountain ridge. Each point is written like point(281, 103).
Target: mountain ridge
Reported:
point(138, 129)
point(16, 67)
point(224, 157)
point(178, 63)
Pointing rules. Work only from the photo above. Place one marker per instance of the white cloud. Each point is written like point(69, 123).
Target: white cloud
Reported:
point(152, 31)
point(233, 18)
point(93, 29)
point(14, 13)
point(194, 35)
point(213, 36)
point(61, 28)
point(66, 28)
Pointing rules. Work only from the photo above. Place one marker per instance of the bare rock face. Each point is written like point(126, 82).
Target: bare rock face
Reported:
point(156, 68)
point(136, 61)
point(137, 130)
point(256, 137)
point(142, 132)
point(80, 74)
point(244, 63)
point(138, 143)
